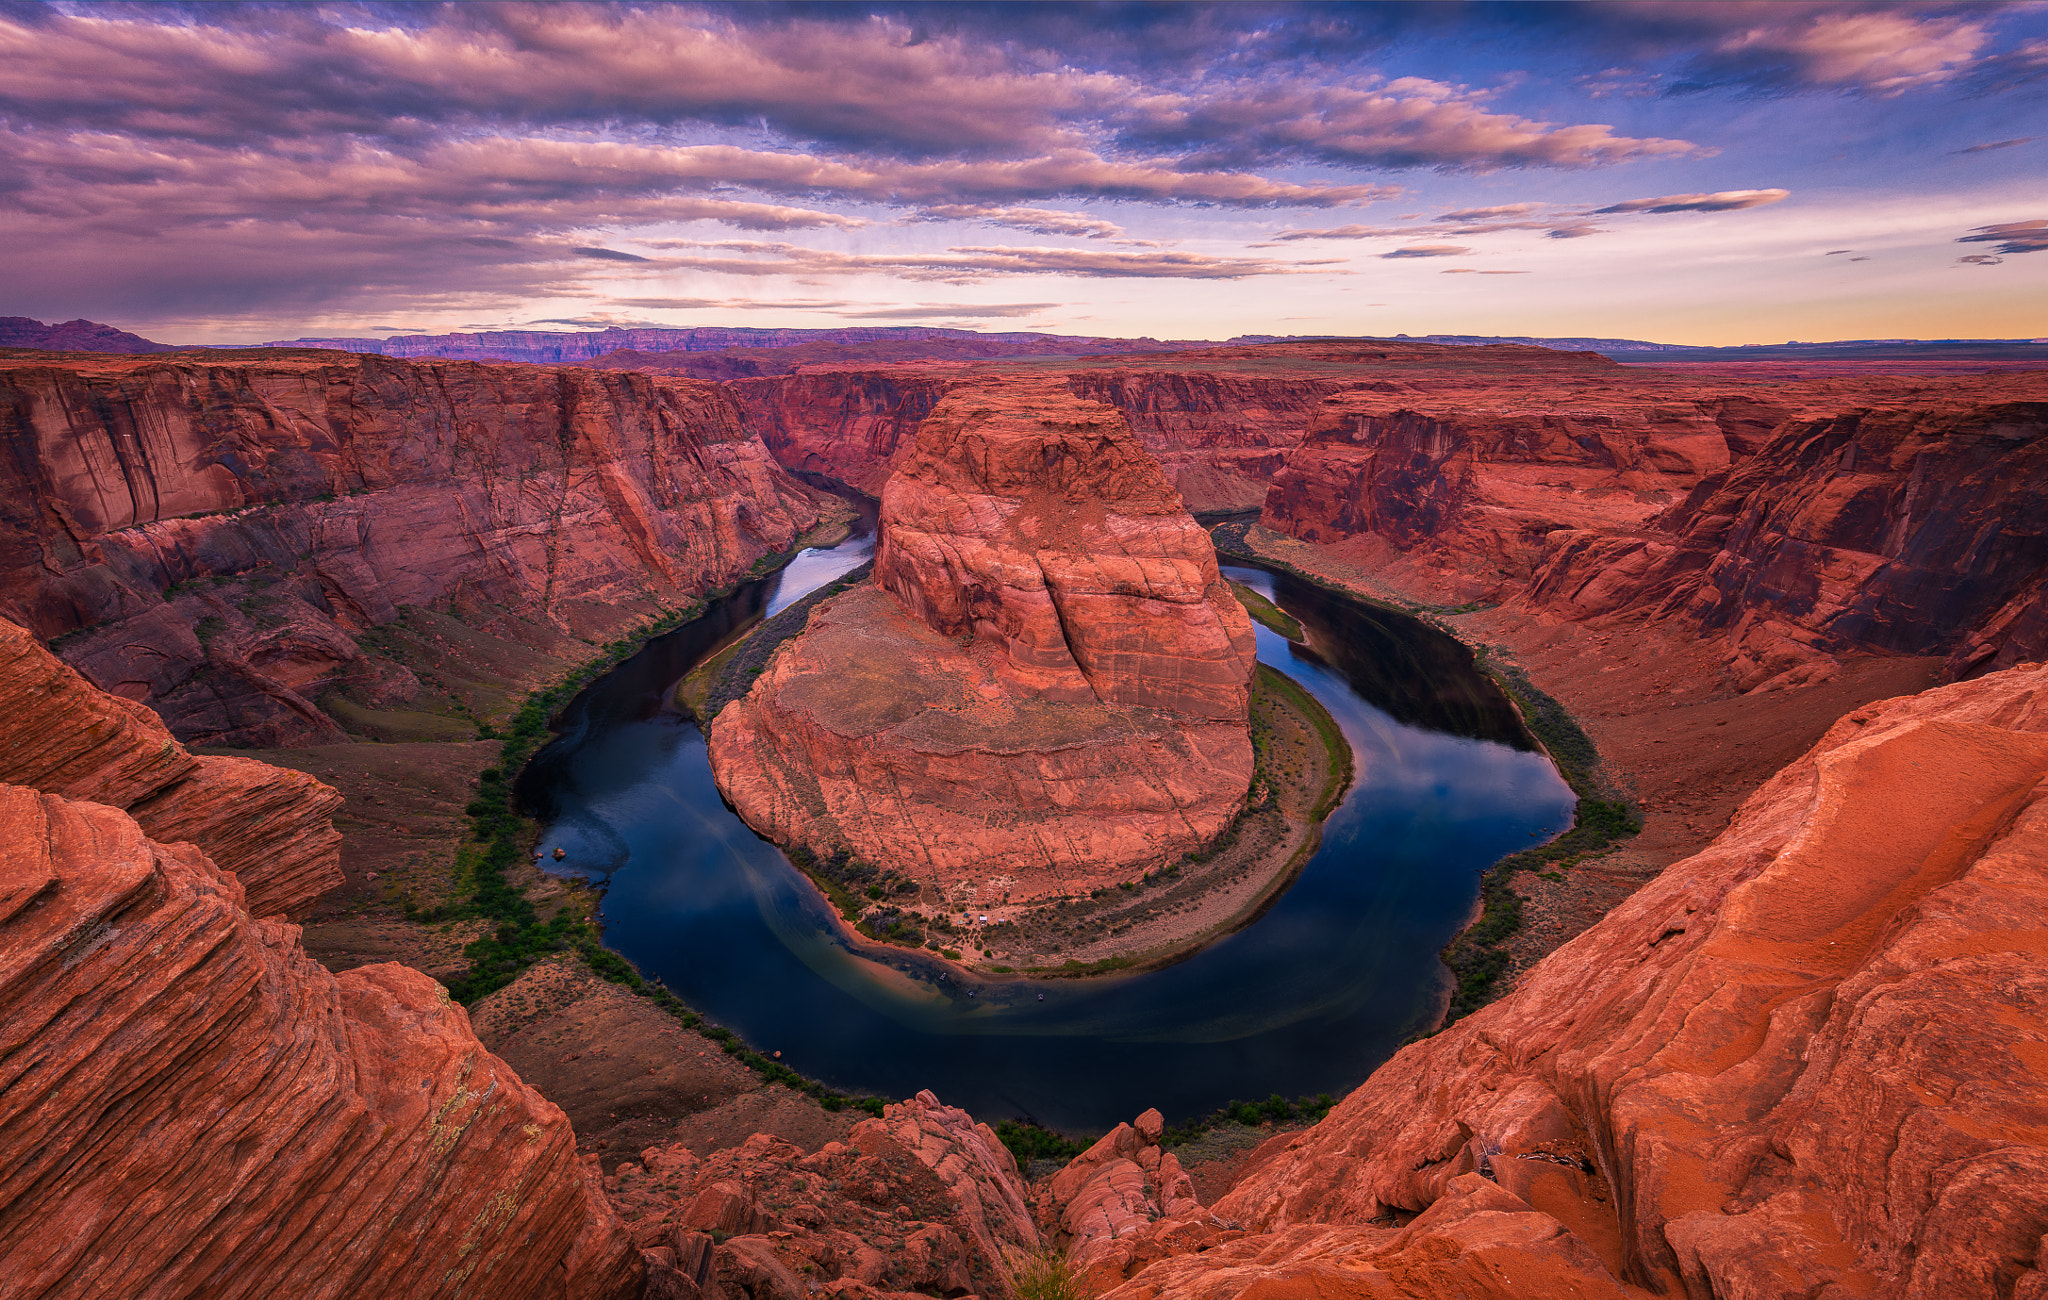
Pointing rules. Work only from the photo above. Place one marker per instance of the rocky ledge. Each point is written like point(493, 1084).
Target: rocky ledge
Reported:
point(1046, 689)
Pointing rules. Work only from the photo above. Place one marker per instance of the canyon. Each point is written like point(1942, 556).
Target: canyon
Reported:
point(214, 537)
point(1796, 1055)
point(1045, 621)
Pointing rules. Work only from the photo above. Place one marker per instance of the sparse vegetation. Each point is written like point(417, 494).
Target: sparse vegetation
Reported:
point(1044, 1275)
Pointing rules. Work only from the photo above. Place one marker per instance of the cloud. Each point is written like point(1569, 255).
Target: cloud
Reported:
point(1037, 221)
point(1429, 250)
point(1489, 214)
point(607, 255)
point(1997, 144)
point(2011, 237)
point(1403, 122)
point(1878, 51)
point(1982, 259)
point(966, 265)
point(1472, 270)
point(1721, 201)
point(925, 311)
point(1558, 225)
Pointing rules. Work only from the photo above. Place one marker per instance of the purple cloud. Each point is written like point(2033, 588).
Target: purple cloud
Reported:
point(2011, 237)
point(1721, 201)
point(1429, 250)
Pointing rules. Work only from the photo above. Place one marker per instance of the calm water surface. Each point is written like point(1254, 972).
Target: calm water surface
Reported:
point(1309, 998)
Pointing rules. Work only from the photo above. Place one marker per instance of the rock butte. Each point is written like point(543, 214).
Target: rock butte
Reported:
point(1044, 690)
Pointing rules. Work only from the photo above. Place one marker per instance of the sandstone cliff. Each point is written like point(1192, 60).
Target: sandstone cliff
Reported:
point(267, 825)
point(1047, 687)
point(1801, 520)
point(192, 1107)
point(216, 533)
point(1804, 1062)
point(1920, 529)
point(855, 426)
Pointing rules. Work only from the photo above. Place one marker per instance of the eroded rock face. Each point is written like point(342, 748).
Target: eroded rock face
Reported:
point(855, 426)
point(218, 532)
point(1798, 520)
point(267, 825)
point(1033, 522)
point(1801, 1062)
point(192, 1107)
point(923, 1200)
point(1046, 688)
point(1915, 530)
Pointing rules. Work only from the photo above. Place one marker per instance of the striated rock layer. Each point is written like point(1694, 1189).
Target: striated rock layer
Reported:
point(1804, 1062)
point(218, 532)
point(267, 825)
point(192, 1107)
point(1046, 688)
point(1797, 520)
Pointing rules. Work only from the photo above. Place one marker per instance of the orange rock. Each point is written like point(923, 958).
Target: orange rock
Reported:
point(191, 1106)
point(267, 825)
point(1055, 696)
point(1800, 1062)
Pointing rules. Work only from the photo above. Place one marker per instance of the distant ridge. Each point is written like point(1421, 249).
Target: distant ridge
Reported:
point(550, 346)
point(73, 336)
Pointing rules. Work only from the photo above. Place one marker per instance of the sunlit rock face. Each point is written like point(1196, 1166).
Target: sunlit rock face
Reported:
point(212, 536)
point(1804, 1061)
point(1045, 686)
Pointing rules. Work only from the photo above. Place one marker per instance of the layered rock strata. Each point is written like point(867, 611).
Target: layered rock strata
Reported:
point(1798, 521)
point(1802, 1062)
point(268, 826)
point(216, 534)
point(1919, 530)
point(190, 1106)
point(1045, 689)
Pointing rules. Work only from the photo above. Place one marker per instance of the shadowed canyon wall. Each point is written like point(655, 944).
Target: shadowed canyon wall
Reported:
point(216, 534)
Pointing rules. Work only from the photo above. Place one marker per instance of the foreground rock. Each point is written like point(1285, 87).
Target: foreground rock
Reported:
point(190, 1106)
point(1045, 691)
point(219, 533)
point(268, 826)
point(922, 1200)
point(1799, 1063)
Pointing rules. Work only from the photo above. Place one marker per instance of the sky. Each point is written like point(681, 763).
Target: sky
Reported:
point(1705, 173)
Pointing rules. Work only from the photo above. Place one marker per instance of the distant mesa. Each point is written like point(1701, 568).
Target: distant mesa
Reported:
point(73, 336)
point(1047, 682)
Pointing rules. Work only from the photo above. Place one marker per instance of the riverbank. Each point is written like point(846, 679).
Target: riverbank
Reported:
point(624, 1067)
point(1672, 733)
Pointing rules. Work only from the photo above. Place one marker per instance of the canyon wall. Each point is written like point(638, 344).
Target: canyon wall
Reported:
point(214, 536)
point(1044, 691)
point(1915, 530)
point(1797, 520)
point(1803, 1062)
point(855, 426)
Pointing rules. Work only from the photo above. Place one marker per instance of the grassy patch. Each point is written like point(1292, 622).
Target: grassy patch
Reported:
point(1030, 1141)
point(1478, 957)
point(1335, 746)
point(1273, 1110)
point(1266, 612)
point(749, 658)
point(1046, 1274)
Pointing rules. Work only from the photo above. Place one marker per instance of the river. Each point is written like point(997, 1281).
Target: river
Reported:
point(1308, 998)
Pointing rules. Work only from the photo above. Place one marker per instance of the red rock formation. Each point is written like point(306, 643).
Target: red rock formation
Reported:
point(922, 1199)
point(1802, 1062)
point(1100, 1206)
point(267, 825)
point(223, 527)
point(1914, 530)
point(1062, 701)
point(855, 426)
point(192, 1107)
point(1799, 519)
point(1033, 521)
